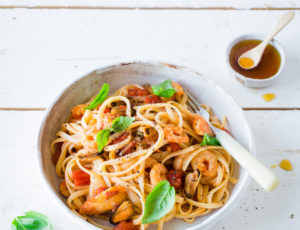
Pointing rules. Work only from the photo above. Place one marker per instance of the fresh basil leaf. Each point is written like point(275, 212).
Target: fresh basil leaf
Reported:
point(159, 202)
point(102, 139)
point(31, 221)
point(208, 140)
point(121, 123)
point(100, 97)
point(164, 89)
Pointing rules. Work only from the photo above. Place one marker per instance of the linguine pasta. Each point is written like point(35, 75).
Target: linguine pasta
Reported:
point(163, 143)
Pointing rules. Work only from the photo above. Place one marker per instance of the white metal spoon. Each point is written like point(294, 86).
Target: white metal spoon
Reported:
point(260, 173)
point(256, 53)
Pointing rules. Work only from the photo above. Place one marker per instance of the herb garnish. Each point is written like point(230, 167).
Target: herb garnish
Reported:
point(119, 124)
point(209, 140)
point(31, 221)
point(164, 89)
point(99, 98)
point(159, 202)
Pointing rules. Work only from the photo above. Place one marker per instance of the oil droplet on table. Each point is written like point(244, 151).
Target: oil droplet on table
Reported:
point(269, 97)
point(286, 165)
point(273, 166)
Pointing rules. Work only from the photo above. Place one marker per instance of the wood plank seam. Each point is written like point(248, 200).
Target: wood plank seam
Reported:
point(115, 8)
point(143, 8)
point(22, 109)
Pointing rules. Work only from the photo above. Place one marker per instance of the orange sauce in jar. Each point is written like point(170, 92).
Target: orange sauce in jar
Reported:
point(268, 65)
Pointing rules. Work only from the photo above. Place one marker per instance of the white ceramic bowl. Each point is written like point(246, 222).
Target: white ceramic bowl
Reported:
point(249, 82)
point(141, 72)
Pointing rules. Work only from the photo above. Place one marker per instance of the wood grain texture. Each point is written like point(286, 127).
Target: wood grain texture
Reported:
point(183, 4)
point(42, 51)
point(276, 134)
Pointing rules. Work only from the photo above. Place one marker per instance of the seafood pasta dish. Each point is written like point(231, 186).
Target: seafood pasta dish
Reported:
point(141, 157)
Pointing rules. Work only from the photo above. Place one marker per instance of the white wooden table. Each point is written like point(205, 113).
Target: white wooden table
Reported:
point(44, 45)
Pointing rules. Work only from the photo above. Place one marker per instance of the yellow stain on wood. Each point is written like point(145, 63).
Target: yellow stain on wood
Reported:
point(286, 165)
point(269, 97)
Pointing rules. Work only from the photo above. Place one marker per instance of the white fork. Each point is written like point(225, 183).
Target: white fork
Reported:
point(260, 173)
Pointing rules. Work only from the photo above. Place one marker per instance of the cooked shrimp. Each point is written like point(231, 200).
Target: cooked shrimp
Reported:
point(107, 120)
point(158, 173)
point(105, 201)
point(150, 162)
point(200, 125)
point(178, 161)
point(174, 134)
point(78, 111)
point(206, 162)
point(179, 91)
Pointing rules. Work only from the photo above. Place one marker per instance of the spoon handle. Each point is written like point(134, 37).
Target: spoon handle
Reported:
point(282, 22)
point(260, 173)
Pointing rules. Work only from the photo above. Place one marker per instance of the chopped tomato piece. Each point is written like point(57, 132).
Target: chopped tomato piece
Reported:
point(120, 138)
point(80, 178)
point(175, 177)
point(138, 92)
point(128, 149)
point(151, 99)
point(125, 225)
point(174, 147)
point(107, 110)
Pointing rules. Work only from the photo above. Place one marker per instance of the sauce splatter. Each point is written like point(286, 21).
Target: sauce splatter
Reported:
point(286, 165)
point(273, 166)
point(269, 97)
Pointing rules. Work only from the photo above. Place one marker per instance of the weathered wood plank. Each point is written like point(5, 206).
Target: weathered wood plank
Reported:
point(276, 134)
point(42, 51)
point(192, 4)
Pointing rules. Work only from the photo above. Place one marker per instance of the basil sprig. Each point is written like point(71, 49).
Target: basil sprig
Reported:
point(100, 97)
point(159, 202)
point(102, 138)
point(119, 124)
point(164, 89)
point(31, 221)
point(209, 140)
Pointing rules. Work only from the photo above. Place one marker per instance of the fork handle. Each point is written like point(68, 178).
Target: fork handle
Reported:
point(260, 173)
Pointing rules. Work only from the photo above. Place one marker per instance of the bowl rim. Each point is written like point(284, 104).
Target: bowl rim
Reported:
point(211, 220)
point(257, 36)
